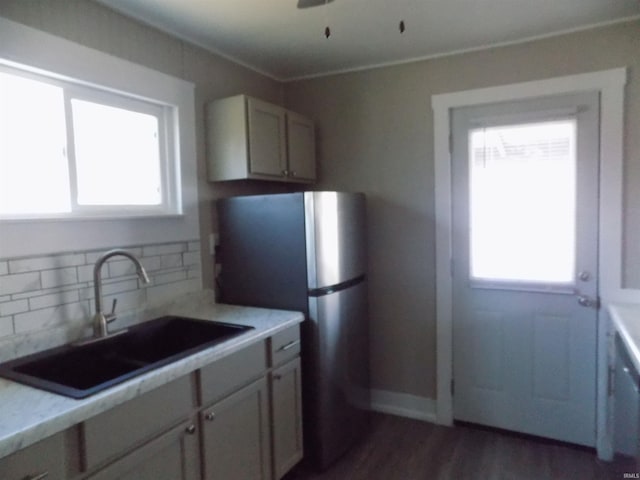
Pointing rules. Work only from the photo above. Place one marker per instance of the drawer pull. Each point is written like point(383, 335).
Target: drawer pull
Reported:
point(289, 345)
point(210, 417)
point(191, 429)
point(37, 476)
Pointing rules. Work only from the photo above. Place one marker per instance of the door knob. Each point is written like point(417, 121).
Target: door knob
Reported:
point(586, 301)
point(584, 276)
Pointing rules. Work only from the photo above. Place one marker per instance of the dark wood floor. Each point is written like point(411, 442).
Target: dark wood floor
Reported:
point(403, 449)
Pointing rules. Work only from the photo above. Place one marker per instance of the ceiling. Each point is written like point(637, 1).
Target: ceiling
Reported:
point(276, 38)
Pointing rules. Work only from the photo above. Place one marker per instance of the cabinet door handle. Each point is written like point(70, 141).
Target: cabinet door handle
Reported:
point(37, 476)
point(277, 376)
point(293, 173)
point(191, 429)
point(210, 417)
point(285, 173)
point(289, 345)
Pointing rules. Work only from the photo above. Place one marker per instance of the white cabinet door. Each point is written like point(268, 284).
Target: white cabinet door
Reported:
point(235, 435)
point(267, 147)
point(287, 417)
point(301, 147)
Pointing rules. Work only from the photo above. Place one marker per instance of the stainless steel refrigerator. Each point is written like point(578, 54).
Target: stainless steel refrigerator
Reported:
point(307, 252)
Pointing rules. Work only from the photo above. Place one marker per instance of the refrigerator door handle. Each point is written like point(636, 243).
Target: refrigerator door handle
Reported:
point(319, 292)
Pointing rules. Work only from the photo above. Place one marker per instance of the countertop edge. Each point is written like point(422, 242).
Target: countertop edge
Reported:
point(72, 412)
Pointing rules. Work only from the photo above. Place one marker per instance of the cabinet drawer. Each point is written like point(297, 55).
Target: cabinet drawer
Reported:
point(49, 459)
point(116, 431)
point(285, 345)
point(232, 372)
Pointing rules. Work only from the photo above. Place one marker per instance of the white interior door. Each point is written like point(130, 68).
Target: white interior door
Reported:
point(525, 217)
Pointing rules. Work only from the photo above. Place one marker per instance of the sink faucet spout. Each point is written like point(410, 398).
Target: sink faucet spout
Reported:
point(100, 319)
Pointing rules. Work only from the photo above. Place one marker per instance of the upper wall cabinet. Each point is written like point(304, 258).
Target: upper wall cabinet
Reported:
point(249, 138)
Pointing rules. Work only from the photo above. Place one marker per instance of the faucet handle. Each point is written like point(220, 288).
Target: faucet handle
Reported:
point(110, 317)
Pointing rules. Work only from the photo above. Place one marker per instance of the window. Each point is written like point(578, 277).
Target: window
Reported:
point(523, 202)
point(70, 150)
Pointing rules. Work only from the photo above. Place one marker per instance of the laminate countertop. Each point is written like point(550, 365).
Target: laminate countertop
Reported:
point(28, 414)
point(626, 320)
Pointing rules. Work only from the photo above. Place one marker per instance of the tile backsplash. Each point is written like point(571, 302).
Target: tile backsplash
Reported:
point(55, 292)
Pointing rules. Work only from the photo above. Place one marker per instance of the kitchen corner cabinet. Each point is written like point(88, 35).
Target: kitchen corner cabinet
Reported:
point(286, 417)
point(248, 138)
point(286, 400)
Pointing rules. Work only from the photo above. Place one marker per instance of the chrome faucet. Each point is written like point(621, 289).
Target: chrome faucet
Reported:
point(100, 319)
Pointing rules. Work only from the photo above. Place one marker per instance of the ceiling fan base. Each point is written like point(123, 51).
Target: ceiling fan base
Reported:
point(312, 3)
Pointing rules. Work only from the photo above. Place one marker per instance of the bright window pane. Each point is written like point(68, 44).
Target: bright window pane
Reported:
point(34, 175)
point(117, 155)
point(523, 202)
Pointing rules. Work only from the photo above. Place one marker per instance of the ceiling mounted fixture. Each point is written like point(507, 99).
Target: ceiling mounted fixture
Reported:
point(312, 3)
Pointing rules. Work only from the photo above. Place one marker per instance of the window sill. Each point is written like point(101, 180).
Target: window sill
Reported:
point(91, 218)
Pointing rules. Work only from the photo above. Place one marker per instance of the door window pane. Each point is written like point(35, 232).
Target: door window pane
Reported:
point(34, 174)
point(523, 202)
point(117, 155)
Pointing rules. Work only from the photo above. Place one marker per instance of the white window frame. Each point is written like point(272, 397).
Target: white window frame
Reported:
point(21, 45)
point(169, 164)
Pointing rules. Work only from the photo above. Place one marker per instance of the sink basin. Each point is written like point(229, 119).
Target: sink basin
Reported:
point(79, 371)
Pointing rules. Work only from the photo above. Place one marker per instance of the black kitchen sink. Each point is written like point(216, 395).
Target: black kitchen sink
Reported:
point(81, 370)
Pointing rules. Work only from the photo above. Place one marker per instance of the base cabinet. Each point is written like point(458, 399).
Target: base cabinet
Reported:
point(238, 418)
point(235, 436)
point(172, 456)
point(53, 458)
point(626, 403)
point(286, 417)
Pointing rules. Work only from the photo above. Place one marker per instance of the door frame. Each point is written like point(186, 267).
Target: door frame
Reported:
point(610, 85)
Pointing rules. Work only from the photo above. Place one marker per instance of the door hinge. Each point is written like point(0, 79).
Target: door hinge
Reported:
point(452, 387)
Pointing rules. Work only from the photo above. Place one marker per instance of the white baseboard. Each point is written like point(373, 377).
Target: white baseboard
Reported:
point(404, 405)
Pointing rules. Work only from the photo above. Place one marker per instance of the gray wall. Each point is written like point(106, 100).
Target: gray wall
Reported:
point(95, 26)
point(376, 135)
